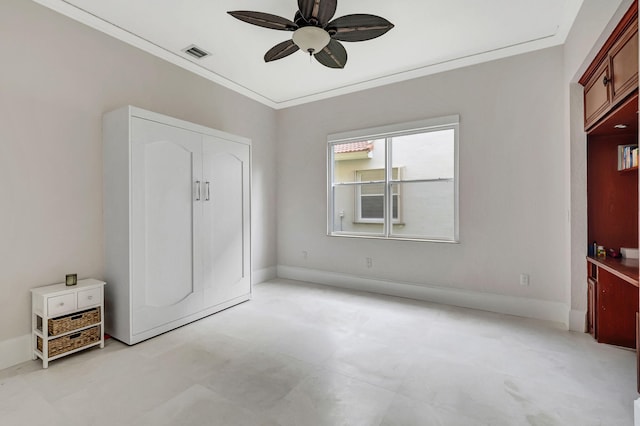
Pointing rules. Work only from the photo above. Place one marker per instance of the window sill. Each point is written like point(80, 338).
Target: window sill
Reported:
point(391, 238)
point(362, 222)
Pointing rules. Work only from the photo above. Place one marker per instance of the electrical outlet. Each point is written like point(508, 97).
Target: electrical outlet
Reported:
point(524, 280)
point(305, 255)
point(369, 261)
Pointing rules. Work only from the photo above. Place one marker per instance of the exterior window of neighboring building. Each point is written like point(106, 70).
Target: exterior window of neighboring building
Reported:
point(398, 181)
point(370, 198)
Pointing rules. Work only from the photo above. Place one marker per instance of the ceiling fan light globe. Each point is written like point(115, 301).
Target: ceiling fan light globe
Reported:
point(311, 39)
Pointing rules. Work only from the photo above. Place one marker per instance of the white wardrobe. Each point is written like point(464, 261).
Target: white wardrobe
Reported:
point(177, 221)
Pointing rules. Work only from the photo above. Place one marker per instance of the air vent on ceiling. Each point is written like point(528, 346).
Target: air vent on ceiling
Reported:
point(196, 52)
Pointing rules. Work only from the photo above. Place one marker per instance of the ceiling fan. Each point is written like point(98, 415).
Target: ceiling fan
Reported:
point(313, 31)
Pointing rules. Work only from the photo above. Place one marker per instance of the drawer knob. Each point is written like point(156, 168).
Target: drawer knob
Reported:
point(90, 297)
point(61, 304)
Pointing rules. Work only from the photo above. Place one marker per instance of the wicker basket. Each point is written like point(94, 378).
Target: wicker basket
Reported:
point(73, 321)
point(71, 341)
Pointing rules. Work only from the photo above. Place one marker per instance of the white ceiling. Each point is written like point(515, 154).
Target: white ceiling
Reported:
point(429, 36)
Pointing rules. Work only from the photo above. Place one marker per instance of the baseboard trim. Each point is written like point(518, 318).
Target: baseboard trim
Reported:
point(578, 320)
point(519, 306)
point(15, 351)
point(265, 274)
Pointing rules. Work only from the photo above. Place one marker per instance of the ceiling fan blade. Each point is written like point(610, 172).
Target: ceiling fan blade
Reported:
point(281, 50)
point(299, 20)
point(333, 55)
point(265, 20)
point(317, 10)
point(359, 27)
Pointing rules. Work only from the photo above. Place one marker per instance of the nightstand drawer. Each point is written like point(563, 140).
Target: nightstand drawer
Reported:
point(89, 297)
point(61, 304)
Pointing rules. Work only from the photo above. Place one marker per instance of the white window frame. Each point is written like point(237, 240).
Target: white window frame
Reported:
point(388, 132)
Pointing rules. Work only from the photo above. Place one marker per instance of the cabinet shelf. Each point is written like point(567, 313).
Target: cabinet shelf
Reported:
point(629, 169)
point(627, 157)
point(39, 333)
point(53, 358)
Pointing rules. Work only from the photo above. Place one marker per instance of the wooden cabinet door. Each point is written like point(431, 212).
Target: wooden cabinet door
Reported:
point(617, 306)
point(638, 352)
point(166, 163)
point(624, 64)
point(597, 95)
point(591, 306)
point(226, 215)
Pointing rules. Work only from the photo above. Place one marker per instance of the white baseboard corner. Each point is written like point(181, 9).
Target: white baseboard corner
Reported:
point(555, 312)
point(636, 412)
point(265, 274)
point(578, 320)
point(15, 351)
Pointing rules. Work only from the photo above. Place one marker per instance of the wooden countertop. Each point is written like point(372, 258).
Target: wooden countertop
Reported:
point(624, 268)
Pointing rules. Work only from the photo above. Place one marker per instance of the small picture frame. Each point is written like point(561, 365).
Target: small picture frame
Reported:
point(71, 279)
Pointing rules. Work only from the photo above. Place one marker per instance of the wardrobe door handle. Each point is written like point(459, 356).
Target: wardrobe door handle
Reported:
point(208, 194)
point(606, 80)
point(197, 190)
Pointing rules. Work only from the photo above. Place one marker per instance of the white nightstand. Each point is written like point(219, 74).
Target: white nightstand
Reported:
point(66, 319)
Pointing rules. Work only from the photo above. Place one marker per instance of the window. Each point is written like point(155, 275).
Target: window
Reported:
point(396, 181)
point(370, 199)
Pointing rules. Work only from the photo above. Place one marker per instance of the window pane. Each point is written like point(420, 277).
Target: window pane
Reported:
point(369, 175)
point(428, 210)
point(373, 189)
point(348, 158)
point(426, 155)
point(395, 200)
point(346, 210)
point(372, 207)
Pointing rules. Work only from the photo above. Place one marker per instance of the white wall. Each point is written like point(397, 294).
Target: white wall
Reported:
point(56, 80)
point(512, 200)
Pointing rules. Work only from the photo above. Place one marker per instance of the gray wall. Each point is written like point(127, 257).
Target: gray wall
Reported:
point(512, 215)
point(56, 80)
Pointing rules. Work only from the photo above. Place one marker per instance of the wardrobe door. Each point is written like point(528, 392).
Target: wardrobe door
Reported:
point(226, 243)
point(166, 166)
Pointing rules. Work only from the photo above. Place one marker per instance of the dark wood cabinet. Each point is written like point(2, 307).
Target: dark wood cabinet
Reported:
point(611, 122)
point(612, 221)
point(597, 99)
point(623, 65)
point(612, 300)
point(617, 304)
point(613, 75)
point(592, 303)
